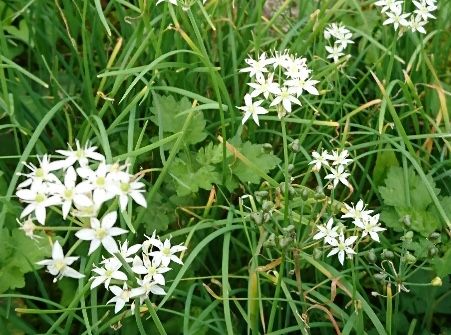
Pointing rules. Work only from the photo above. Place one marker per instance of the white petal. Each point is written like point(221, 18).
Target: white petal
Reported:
point(93, 246)
point(86, 234)
point(117, 231)
point(69, 272)
point(110, 245)
point(40, 214)
point(97, 281)
point(57, 251)
point(139, 198)
point(109, 220)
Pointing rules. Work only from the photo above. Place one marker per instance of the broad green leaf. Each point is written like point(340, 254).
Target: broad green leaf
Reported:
point(167, 113)
point(211, 154)
point(256, 154)
point(442, 265)
point(17, 257)
point(384, 160)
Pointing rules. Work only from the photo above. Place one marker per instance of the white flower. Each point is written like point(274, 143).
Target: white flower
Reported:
point(126, 252)
point(264, 86)
point(342, 247)
point(303, 82)
point(80, 155)
point(41, 174)
point(285, 98)
point(28, 227)
point(166, 253)
point(339, 158)
point(125, 187)
point(388, 4)
point(252, 108)
point(281, 59)
point(102, 233)
point(257, 67)
point(122, 296)
point(424, 9)
point(336, 30)
point(59, 265)
point(357, 213)
point(416, 23)
point(335, 52)
point(338, 176)
point(98, 182)
point(296, 68)
point(152, 269)
point(396, 17)
point(110, 270)
point(146, 286)
point(37, 201)
point(327, 232)
point(370, 226)
point(344, 40)
point(69, 192)
point(319, 160)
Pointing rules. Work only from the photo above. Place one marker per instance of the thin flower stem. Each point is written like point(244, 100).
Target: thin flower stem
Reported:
point(155, 318)
point(275, 302)
point(287, 177)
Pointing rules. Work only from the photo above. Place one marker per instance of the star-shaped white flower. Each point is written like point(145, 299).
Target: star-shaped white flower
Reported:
point(424, 10)
point(338, 176)
point(127, 251)
point(28, 227)
point(97, 181)
point(80, 155)
point(37, 200)
point(327, 232)
point(146, 286)
point(39, 174)
point(121, 296)
point(285, 98)
point(357, 213)
point(126, 187)
point(339, 158)
point(335, 52)
point(370, 226)
point(58, 266)
point(102, 233)
point(319, 160)
point(416, 23)
point(252, 108)
point(264, 86)
point(150, 268)
point(166, 252)
point(109, 271)
point(302, 83)
point(397, 17)
point(342, 247)
point(388, 4)
point(70, 192)
point(256, 68)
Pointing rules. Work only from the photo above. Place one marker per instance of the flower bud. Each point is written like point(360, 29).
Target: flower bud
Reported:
point(432, 251)
point(387, 254)
point(290, 168)
point(407, 236)
point(257, 218)
point(267, 205)
point(371, 256)
point(435, 237)
point(380, 276)
point(406, 219)
point(295, 146)
point(317, 253)
point(304, 195)
point(284, 241)
point(270, 242)
point(261, 194)
point(288, 229)
point(437, 281)
point(409, 258)
point(267, 148)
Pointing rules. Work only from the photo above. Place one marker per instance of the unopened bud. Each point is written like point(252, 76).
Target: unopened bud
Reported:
point(267, 148)
point(437, 281)
point(371, 256)
point(435, 237)
point(304, 195)
point(387, 254)
point(409, 258)
point(295, 146)
point(257, 218)
point(284, 241)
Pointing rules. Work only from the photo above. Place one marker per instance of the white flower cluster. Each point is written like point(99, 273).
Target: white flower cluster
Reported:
point(174, 2)
point(80, 190)
point(335, 163)
point(341, 37)
point(56, 184)
point(280, 80)
point(415, 21)
point(149, 268)
point(334, 236)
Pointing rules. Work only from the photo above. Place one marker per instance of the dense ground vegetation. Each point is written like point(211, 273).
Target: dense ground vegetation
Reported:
point(225, 167)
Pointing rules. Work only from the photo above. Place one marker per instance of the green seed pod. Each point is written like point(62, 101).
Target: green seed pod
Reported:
point(304, 195)
point(266, 217)
point(267, 148)
point(261, 194)
point(409, 258)
point(290, 168)
point(387, 254)
point(319, 195)
point(406, 220)
point(317, 253)
point(435, 237)
point(437, 281)
point(371, 256)
point(267, 205)
point(408, 236)
point(295, 146)
point(284, 241)
point(432, 251)
point(380, 277)
point(288, 229)
point(270, 242)
point(257, 218)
